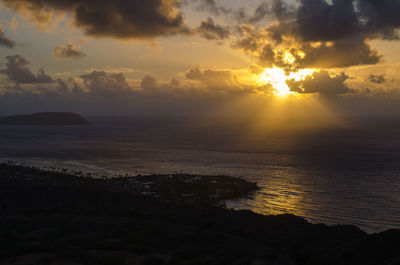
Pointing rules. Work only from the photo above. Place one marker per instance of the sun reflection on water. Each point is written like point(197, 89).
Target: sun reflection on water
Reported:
point(278, 194)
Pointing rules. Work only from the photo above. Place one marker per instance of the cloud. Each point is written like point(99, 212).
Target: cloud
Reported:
point(322, 34)
point(106, 84)
point(255, 69)
point(212, 7)
point(318, 20)
point(134, 19)
point(266, 9)
point(226, 81)
point(380, 18)
point(260, 12)
point(190, 44)
point(68, 51)
point(211, 31)
point(377, 79)
point(273, 9)
point(175, 83)
point(321, 82)
point(149, 83)
point(106, 69)
point(5, 41)
point(213, 78)
point(104, 93)
point(18, 72)
point(203, 91)
point(110, 85)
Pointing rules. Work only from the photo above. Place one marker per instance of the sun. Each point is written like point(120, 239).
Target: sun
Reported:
point(277, 78)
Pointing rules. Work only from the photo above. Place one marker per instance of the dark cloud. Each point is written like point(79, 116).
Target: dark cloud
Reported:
point(212, 7)
point(213, 78)
point(331, 55)
point(134, 19)
point(321, 33)
point(106, 84)
point(211, 31)
point(111, 18)
point(255, 69)
point(110, 93)
point(271, 9)
point(266, 9)
point(5, 41)
point(68, 51)
point(341, 53)
point(260, 12)
point(17, 70)
point(380, 17)
point(63, 85)
point(105, 93)
point(175, 83)
point(68, 85)
point(110, 85)
point(321, 82)
point(377, 79)
point(317, 20)
point(149, 83)
point(224, 82)
point(250, 40)
point(194, 74)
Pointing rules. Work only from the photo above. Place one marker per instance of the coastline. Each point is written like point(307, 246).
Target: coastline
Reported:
point(77, 220)
point(177, 187)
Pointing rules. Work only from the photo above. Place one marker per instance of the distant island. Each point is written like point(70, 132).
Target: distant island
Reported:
point(45, 118)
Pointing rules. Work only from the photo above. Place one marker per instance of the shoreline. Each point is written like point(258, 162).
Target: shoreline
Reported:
point(76, 220)
point(136, 179)
point(179, 188)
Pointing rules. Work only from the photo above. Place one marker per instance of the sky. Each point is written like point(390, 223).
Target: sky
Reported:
point(264, 59)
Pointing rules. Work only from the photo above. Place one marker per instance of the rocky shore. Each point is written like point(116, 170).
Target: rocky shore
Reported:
point(61, 217)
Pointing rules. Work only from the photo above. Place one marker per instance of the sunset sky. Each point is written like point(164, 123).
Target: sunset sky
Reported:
point(183, 57)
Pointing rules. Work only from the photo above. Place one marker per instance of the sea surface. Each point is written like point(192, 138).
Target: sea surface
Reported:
point(348, 175)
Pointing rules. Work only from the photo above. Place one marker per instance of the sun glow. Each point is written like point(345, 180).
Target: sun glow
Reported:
point(277, 78)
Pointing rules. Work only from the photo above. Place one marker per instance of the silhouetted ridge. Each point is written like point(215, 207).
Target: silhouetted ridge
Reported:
point(54, 217)
point(45, 118)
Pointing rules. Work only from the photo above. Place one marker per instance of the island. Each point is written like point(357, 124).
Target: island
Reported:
point(45, 118)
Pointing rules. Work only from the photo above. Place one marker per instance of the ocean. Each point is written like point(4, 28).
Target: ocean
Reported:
point(346, 175)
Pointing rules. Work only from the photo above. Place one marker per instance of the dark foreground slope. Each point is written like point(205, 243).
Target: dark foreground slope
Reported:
point(45, 118)
point(54, 223)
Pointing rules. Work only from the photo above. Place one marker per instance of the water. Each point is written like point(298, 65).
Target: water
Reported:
point(333, 176)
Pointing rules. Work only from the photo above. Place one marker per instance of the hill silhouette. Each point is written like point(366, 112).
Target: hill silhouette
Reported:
point(51, 217)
